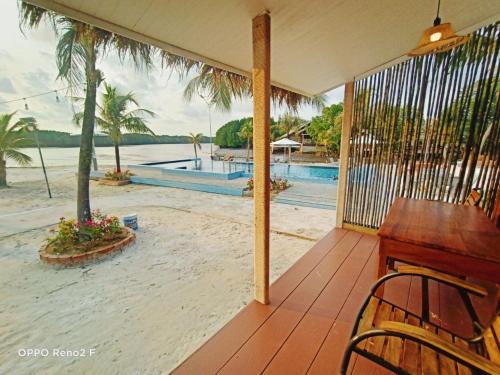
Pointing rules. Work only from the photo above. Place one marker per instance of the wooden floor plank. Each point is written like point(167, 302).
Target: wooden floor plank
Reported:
point(214, 353)
point(434, 303)
point(397, 290)
point(256, 353)
point(329, 357)
point(454, 316)
point(366, 367)
point(307, 325)
point(317, 322)
point(415, 296)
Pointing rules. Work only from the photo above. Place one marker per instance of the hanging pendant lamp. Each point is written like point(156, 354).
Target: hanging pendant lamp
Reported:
point(438, 38)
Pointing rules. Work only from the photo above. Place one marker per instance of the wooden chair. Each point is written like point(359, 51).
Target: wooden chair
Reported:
point(474, 198)
point(406, 344)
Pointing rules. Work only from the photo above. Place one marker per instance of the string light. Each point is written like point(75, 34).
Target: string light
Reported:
point(36, 95)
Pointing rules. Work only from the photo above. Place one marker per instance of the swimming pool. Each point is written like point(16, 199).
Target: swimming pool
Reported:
point(230, 170)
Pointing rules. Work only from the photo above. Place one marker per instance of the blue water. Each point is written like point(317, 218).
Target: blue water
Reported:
point(321, 173)
point(297, 171)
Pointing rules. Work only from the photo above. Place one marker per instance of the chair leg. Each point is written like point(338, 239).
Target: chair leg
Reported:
point(346, 360)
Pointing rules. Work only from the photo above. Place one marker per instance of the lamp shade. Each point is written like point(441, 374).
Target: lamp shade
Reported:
point(438, 38)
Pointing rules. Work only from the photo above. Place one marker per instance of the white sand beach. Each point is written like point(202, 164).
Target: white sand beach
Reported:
point(143, 310)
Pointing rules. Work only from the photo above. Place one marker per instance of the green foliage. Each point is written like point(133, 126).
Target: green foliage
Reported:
point(289, 122)
point(115, 115)
point(195, 139)
point(14, 136)
point(52, 138)
point(276, 185)
point(326, 129)
point(72, 236)
point(246, 131)
point(229, 135)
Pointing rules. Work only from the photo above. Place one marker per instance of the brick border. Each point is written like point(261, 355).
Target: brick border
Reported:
point(78, 259)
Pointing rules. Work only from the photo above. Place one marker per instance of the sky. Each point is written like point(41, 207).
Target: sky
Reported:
point(28, 67)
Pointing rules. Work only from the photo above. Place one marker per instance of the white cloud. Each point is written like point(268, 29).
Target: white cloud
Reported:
point(27, 67)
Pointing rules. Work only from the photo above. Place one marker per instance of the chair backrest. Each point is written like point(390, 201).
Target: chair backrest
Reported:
point(474, 198)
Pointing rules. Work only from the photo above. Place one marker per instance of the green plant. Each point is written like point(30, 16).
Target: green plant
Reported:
point(279, 184)
point(196, 139)
point(326, 129)
point(71, 235)
point(115, 116)
point(250, 184)
point(276, 185)
point(12, 137)
point(246, 134)
point(115, 175)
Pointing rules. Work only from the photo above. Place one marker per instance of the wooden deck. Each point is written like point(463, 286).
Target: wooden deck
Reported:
point(307, 324)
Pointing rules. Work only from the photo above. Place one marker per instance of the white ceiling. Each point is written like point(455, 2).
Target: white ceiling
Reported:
point(316, 45)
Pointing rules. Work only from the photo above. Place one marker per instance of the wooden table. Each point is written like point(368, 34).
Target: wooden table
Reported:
point(455, 239)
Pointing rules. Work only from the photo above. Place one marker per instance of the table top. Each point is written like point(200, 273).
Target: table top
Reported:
point(453, 228)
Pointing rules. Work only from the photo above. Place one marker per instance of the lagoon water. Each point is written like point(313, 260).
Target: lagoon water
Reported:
point(67, 157)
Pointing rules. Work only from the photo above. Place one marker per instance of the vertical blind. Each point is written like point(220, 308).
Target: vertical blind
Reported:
point(427, 129)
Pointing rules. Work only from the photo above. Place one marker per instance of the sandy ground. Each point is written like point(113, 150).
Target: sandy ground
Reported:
point(146, 309)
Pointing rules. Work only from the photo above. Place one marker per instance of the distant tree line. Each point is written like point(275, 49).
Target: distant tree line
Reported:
point(52, 138)
point(228, 135)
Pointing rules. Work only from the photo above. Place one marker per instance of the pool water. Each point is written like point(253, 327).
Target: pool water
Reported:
point(321, 173)
point(286, 170)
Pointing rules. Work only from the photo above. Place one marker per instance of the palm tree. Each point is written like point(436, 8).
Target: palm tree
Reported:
point(12, 137)
point(78, 49)
point(115, 116)
point(288, 122)
point(246, 133)
point(196, 139)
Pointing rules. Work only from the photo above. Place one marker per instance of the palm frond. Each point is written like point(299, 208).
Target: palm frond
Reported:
point(136, 125)
point(30, 16)
point(18, 157)
point(78, 118)
point(71, 56)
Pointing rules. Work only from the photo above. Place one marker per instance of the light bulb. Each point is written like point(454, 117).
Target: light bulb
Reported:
point(435, 37)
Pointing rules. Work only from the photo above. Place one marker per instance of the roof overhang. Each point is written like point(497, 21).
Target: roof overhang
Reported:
point(316, 45)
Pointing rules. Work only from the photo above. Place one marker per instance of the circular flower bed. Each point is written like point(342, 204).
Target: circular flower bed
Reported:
point(74, 243)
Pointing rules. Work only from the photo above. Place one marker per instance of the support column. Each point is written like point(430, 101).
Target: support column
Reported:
point(261, 82)
point(344, 151)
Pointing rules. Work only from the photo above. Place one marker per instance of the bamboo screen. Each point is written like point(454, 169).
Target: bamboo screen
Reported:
point(426, 129)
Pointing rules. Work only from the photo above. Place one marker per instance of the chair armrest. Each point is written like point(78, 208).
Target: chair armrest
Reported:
point(436, 343)
point(444, 278)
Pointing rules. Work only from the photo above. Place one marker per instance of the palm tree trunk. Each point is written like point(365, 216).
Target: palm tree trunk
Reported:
point(3, 173)
point(85, 158)
point(117, 158)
